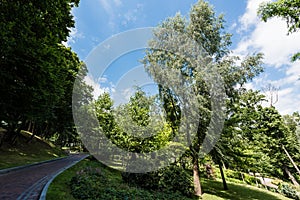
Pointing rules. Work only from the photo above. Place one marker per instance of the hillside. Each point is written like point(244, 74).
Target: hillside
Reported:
point(27, 152)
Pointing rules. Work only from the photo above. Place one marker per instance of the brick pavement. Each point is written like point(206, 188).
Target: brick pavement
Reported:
point(27, 183)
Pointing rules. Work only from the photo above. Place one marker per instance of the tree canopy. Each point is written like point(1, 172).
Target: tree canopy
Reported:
point(37, 72)
point(204, 31)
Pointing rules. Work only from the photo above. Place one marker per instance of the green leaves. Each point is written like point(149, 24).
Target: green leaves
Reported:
point(37, 72)
point(135, 126)
point(286, 9)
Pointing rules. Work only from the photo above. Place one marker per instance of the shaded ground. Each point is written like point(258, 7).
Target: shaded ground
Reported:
point(27, 151)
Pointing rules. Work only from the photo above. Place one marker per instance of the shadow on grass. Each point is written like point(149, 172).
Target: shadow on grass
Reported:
point(236, 192)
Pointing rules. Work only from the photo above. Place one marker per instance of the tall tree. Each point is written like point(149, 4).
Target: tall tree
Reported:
point(206, 30)
point(36, 70)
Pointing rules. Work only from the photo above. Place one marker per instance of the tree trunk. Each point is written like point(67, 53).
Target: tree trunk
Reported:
point(254, 174)
point(223, 177)
point(30, 138)
point(291, 177)
point(242, 175)
point(196, 178)
point(291, 159)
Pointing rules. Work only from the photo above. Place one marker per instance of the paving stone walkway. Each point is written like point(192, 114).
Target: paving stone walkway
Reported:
point(27, 183)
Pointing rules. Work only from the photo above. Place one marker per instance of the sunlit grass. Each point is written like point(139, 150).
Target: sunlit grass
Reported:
point(213, 190)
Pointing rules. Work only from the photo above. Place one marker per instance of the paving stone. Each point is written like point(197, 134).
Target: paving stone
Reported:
point(27, 183)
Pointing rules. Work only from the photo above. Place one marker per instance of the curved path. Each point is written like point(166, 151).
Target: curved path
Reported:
point(27, 183)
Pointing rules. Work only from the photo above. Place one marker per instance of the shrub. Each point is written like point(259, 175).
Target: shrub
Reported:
point(148, 180)
point(169, 179)
point(276, 181)
point(233, 174)
point(175, 178)
point(289, 191)
point(250, 179)
point(84, 185)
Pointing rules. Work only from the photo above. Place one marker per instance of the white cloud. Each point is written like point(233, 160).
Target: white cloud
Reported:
point(118, 2)
point(271, 39)
point(250, 17)
point(120, 17)
point(233, 26)
point(288, 101)
point(132, 15)
point(129, 17)
point(107, 6)
point(110, 8)
point(98, 90)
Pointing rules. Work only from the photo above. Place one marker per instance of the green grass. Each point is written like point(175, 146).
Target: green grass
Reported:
point(26, 153)
point(213, 190)
point(60, 187)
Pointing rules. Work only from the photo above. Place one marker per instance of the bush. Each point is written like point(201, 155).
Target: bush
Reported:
point(84, 185)
point(250, 179)
point(276, 182)
point(148, 180)
point(91, 183)
point(169, 179)
point(175, 178)
point(233, 174)
point(289, 191)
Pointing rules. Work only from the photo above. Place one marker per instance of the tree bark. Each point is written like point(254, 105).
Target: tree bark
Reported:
point(291, 177)
point(196, 178)
point(242, 175)
point(223, 177)
point(291, 159)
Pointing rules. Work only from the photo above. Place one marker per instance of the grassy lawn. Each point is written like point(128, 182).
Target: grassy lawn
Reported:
point(60, 187)
point(26, 153)
point(213, 190)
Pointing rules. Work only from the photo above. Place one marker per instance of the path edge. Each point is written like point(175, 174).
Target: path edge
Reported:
point(45, 189)
point(7, 170)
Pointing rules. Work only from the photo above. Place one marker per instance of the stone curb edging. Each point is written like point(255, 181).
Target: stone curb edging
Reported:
point(4, 171)
point(45, 189)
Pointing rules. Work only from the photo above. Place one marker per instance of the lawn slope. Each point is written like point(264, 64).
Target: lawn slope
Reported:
point(27, 152)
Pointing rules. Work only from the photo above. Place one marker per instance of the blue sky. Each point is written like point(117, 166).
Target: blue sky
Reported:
point(99, 20)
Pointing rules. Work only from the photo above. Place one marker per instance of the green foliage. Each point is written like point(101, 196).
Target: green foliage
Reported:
point(250, 179)
point(37, 72)
point(289, 191)
point(115, 188)
point(139, 128)
point(139, 108)
point(253, 137)
point(286, 9)
point(84, 183)
point(206, 29)
point(169, 179)
point(233, 176)
point(94, 181)
point(149, 180)
point(176, 179)
point(295, 57)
